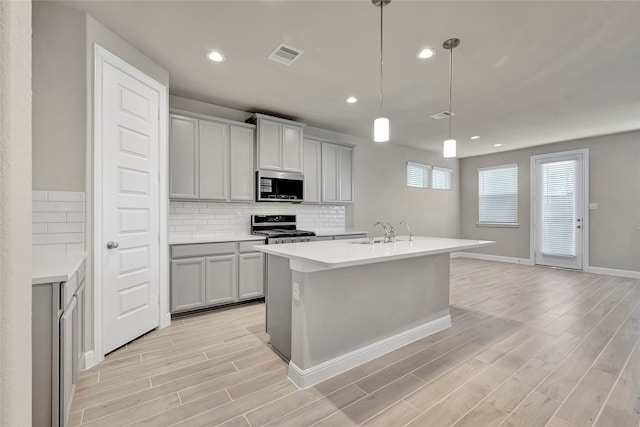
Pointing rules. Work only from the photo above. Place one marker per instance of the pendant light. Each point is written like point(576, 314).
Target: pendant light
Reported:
point(381, 124)
point(449, 149)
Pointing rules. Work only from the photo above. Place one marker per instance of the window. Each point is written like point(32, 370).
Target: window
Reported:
point(441, 178)
point(418, 175)
point(498, 195)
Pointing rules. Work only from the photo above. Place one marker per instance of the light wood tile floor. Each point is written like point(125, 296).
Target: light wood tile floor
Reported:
point(529, 346)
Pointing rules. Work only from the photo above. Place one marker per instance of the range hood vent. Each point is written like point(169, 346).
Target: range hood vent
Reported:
point(285, 54)
point(442, 115)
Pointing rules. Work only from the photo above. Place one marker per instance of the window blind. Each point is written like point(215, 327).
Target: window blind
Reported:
point(418, 175)
point(498, 194)
point(441, 178)
point(558, 200)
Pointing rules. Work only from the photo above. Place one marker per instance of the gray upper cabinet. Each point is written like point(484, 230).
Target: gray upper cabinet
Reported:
point(242, 164)
point(280, 144)
point(214, 160)
point(211, 159)
point(183, 157)
point(337, 173)
point(312, 171)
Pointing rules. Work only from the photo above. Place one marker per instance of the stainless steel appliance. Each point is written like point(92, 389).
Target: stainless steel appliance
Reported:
point(279, 229)
point(274, 186)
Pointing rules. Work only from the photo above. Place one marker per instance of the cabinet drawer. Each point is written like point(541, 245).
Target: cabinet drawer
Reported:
point(248, 246)
point(68, 289)
point(205, 249)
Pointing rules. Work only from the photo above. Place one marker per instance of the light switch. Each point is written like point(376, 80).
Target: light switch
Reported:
point(593, 206)
point(296, 291)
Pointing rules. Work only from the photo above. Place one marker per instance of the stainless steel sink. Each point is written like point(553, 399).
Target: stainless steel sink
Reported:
point(367, 242)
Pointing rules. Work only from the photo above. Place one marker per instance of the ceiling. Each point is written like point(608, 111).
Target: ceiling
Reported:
point(525, 73)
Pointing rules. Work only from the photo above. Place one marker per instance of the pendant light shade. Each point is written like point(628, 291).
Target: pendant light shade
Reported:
point(381, 124)
point(381, 129)
point(449, 146)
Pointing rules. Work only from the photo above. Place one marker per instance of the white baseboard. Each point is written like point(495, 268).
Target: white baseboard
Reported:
point(486, 257)
point(305, 378)
point(90, 359)
point(613, 272)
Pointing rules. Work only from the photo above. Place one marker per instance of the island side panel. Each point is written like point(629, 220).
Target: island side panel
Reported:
point(345, 309)
point(278, 298)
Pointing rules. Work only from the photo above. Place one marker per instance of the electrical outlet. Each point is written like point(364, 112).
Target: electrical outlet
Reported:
point(296, 291)
point(593, 206)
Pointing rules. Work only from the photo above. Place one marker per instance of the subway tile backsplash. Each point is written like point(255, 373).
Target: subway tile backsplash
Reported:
point(193, 219)
point(58, 222)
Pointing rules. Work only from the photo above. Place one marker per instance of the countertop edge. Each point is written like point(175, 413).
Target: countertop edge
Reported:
point(70, 269)
point(222, 239)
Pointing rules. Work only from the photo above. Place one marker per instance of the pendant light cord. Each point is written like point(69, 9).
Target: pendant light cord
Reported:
point(450, 84)
point(381, 59)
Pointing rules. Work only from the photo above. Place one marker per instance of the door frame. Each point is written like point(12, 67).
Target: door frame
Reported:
point(585, 198)
point(102, 56)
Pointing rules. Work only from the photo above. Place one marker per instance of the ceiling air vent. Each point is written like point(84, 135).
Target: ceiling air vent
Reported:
point(285, 54)
point(442, 115)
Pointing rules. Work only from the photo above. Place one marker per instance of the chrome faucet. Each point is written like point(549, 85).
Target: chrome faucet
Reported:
point(391, 236)
point(403, 222)
point(389, 233)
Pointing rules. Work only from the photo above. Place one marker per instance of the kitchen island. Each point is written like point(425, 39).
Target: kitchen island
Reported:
point(334, 305)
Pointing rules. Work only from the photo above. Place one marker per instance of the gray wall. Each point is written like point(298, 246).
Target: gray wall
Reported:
point(59, 97)
point(380, 173)
point(614, 184)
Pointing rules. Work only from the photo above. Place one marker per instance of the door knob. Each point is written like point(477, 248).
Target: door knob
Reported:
point(112, 245)
point(579, 226)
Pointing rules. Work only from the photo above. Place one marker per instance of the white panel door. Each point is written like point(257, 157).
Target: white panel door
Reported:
point(311, 170)
point(559, 211)
point(292, 149)
point(130, 208)
point(214, 160)
point(242, 176)
point(269, 144)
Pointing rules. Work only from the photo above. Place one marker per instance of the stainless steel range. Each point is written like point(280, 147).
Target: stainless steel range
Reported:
point(279, 229)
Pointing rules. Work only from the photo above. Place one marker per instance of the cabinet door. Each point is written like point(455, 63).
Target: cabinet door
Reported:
point(269, 144)
point(312, 177)
point(187, 283)
point(242, 176)
point(221, 280)
point(345, 174)
point(329, 172)
point(66, 361)
point(214, 161)
point(251, 276)
point(292, 148)
point(183, 158)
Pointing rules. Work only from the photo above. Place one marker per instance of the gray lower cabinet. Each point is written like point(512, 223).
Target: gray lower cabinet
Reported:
point(57, 334)
point(211, 274)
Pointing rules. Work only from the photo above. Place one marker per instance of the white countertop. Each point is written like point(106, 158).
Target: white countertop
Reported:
point(55, 268)
point(214, 239)
point(343, 253)
point(340, 233)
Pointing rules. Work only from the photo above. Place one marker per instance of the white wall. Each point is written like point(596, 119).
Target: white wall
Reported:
point(15, 213)
point(614, 184)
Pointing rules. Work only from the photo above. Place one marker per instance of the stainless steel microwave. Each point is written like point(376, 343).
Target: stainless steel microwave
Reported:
point(272, 186)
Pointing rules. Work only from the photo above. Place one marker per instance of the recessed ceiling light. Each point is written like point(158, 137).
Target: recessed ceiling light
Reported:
point(475, 137)
point(426, 53)
point(497, 145)
point(215, 56)
point(352, 100)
